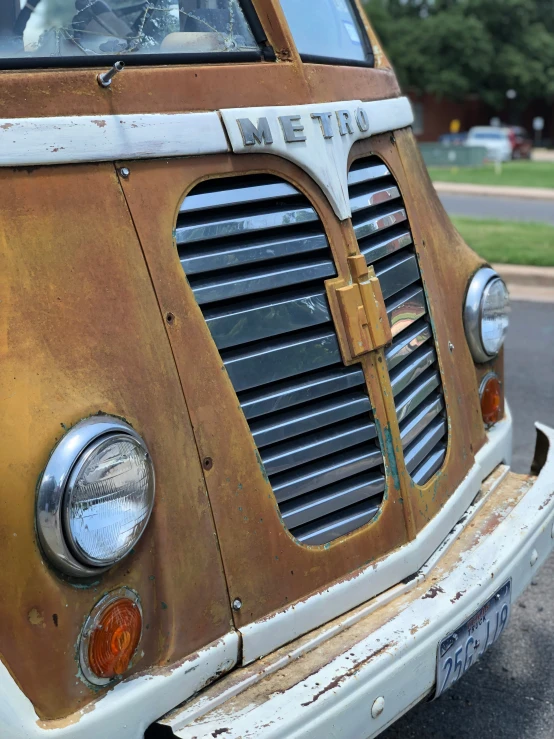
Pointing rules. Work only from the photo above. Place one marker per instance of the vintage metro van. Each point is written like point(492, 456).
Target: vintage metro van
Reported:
point(255, 449)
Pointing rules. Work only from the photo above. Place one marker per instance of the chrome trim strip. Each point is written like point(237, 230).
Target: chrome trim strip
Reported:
point(72, 139)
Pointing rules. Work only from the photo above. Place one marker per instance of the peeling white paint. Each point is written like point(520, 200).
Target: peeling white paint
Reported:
point(71, 139)
point(398, 660)
point(129, 708)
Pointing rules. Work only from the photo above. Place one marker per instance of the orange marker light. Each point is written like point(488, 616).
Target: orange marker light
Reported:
point(491, 399)
point(114, 638)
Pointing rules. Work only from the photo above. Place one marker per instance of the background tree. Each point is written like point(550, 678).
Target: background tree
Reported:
point(452, 48)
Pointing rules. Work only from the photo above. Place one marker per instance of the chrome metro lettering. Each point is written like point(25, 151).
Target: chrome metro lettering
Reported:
point(294, 131)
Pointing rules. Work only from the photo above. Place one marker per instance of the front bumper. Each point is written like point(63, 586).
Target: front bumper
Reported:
point(327, 684)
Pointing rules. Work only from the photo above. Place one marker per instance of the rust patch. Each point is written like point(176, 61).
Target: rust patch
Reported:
point(36, 618)
point(457, 596)
point(99, 122)
point(547, 501)
point(5, 126)
point(349, 673)
point(433, 592)
point(217, 732)
point(415, 628)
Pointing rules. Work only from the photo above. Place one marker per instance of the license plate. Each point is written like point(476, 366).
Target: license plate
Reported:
point(461, 649)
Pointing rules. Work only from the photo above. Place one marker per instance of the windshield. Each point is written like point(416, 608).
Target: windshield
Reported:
point(326, 30)
point(79, 28)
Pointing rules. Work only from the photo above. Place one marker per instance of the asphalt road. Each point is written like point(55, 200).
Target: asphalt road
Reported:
point(477, 206)
point(509, 694)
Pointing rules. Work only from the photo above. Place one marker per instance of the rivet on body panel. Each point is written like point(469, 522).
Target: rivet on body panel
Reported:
point(237, 604)
point(378, 707)
point(124, 172)
point(534, 557)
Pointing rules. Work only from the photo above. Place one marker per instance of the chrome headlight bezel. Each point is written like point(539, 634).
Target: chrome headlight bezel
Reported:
point(77, 443)
point(473, 313)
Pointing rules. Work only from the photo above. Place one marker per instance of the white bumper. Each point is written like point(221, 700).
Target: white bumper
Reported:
point(391, 654)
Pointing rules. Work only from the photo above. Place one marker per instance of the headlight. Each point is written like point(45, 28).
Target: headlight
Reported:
point(486, 314)
point(95, 497)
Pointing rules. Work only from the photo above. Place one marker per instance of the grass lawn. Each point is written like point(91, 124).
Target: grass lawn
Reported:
point(517, 174)
point(509, 242)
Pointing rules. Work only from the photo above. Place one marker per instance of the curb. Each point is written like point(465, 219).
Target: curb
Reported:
point(534, 284)
point(518, 274)
point(499, 191)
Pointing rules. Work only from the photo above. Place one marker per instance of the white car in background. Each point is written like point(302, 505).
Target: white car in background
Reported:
point(496, 140)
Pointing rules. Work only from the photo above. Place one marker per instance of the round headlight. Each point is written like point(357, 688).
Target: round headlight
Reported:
point(95, 497)
point(486, 314)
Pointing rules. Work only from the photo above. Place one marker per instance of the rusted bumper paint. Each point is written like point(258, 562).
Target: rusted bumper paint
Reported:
point(366, 676)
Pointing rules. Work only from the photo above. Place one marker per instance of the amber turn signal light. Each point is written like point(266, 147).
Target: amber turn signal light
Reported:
point(111, 636)
point(490, 393)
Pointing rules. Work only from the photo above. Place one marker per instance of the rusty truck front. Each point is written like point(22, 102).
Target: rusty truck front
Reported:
point(255, 448)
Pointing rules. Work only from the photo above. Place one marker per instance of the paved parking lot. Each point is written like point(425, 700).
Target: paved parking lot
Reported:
point(510, 693)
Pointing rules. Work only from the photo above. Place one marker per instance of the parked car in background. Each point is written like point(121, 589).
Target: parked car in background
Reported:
point(453, 139)
point(497, 141)
point(522, 143)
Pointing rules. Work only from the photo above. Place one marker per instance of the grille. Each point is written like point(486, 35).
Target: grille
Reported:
point(384, 237)
point(256, 257)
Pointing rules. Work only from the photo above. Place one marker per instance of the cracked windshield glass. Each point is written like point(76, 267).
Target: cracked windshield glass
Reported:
point(68, 28)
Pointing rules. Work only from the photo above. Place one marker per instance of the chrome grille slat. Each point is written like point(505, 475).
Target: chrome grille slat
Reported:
point(283, 425)
point(277, 359)
point(406, 343)
point(418, 421)
point(377, 224)
point(256, 258)
point(238, 285)
point(419, 449)
point(290, 393)
point(248, 251)
point(219, 198)
point(325, 472)
point(250, 321)
point(323, 530)
point(306, 508)
point(406, 308)
point(412, 368)
point(415, 394)
point(429, 466)
point(396, 273)
point(393, 243)
point(322, 443)
point(374, 196)
point(385, 240)
point(224, 227)
point(366, 173)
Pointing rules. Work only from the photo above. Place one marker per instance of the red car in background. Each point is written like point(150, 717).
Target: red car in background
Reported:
point(522, 143)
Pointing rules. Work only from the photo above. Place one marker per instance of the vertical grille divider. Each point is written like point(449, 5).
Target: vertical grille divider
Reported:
point(381, 226)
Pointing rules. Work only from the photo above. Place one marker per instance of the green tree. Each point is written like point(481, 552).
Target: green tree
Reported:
point(451, 48)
